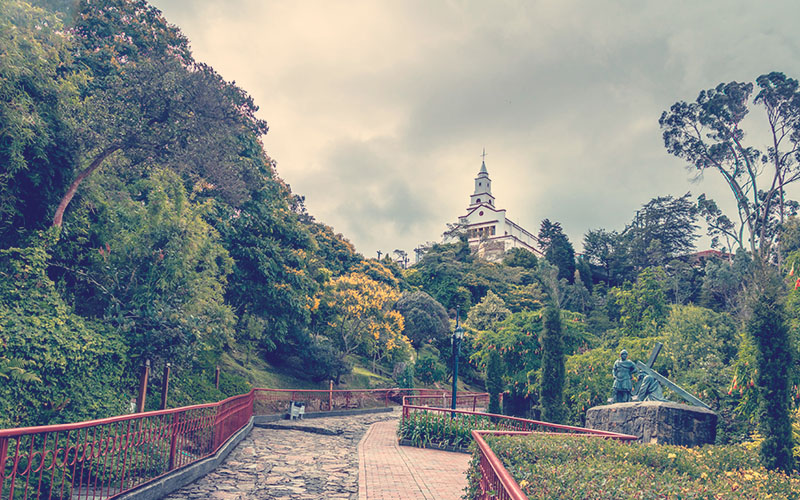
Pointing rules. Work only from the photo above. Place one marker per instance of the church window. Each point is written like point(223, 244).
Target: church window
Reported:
point(491, 231)
point(479, 200)
point(480, 213)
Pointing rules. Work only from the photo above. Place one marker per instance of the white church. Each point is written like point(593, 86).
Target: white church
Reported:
point(491, 234)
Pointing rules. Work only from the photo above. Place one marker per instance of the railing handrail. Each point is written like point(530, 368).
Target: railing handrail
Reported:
point(19, 431)
point(615, 435)
point(510, 484)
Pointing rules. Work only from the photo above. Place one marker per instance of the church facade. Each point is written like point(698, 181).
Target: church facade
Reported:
point(490, 232)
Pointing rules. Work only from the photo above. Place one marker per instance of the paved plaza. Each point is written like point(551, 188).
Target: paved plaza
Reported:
point(354, 458)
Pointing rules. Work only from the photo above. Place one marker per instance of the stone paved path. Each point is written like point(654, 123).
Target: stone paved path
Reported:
point(290, 464)
point(300, 465)
point(392, 472)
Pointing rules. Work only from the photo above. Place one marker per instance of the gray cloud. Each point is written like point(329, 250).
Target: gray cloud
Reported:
point(379, 109)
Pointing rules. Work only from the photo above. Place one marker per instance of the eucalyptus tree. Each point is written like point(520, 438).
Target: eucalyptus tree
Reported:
point(708, 134)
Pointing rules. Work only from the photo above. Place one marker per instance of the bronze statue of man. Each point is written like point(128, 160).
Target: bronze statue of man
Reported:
point(623, 372)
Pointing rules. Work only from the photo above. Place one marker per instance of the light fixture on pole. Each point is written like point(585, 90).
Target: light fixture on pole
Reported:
point(455, 340)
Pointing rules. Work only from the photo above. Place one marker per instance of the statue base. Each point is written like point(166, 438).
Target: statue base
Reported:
point(656, 422)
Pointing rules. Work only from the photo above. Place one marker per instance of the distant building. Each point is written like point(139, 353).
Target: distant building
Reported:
point(491, 234)
point(699, 259)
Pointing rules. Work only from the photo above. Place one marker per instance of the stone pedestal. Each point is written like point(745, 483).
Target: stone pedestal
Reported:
point(656, 422)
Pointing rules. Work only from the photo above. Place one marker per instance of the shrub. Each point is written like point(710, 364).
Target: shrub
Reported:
point(428, 369)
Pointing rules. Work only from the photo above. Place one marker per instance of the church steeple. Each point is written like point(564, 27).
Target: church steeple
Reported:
point(483, 187)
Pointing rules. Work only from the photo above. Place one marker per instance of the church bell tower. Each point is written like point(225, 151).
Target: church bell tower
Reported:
point(483, 189)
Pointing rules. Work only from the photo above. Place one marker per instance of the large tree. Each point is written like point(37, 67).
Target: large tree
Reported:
point(662, 229)
point(145, 97)
point(425, 318)
point(557, 249)
point(708, 135)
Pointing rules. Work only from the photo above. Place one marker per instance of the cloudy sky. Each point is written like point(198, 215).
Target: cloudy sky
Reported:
point(379, 110)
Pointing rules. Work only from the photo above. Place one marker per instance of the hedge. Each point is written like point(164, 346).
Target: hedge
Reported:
point(564, 467)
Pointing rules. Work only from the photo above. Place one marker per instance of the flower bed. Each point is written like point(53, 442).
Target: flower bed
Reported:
point(572, 467)
point(424, 429)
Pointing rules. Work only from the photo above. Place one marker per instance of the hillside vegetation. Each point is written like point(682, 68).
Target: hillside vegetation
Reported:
point(141, 219)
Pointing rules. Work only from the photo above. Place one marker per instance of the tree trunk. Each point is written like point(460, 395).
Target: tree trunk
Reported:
point(62, 206)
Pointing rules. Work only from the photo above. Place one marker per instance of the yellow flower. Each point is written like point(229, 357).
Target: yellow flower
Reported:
point(672, 455)
point(523, 483)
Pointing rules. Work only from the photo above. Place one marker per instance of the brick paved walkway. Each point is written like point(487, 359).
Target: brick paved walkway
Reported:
point(391, 472)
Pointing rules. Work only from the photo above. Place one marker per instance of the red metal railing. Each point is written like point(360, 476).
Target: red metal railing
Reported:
point(106, 457)
point(508, 423)
point(271, 401)
point(495, 482)
point(476, 400)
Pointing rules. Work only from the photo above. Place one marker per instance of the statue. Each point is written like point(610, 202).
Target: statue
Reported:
point(650, 387)
point(650, 390)
point(623, 372)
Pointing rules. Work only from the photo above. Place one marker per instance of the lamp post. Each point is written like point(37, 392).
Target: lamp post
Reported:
point(455, 340)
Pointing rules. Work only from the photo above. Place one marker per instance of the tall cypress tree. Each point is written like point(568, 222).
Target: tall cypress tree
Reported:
point(494, 380)
point(553, 371)
point(768, 329)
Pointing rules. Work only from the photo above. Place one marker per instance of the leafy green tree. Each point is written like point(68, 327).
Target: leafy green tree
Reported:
point(491, 311)
point(36, 148)
point(643, 305)
point(519, 257)
point(557, 249)
point(663, 228)
point(429, 369)
point(552, 385)
point(607, 254)
point(723, 282)
point(147, 99)
point(425, 318)
point(441, 274)
point(155, 271)
point(517, 340)
point(275, 272)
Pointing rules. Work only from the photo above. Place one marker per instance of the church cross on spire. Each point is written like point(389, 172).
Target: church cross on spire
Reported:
point(483, 155)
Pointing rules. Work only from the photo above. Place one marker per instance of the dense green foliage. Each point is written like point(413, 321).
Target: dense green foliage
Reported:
point(141, 219)
point(174, 239)
point(583, 467)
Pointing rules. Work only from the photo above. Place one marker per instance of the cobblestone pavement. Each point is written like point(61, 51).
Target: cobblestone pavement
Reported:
point(392, 472)
point(291, 464)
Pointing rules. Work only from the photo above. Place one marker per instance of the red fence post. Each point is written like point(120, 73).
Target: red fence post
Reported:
point(173, 442)
point(165, 387)
point(3, 453)
point(330, 397)
point(143, 387)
